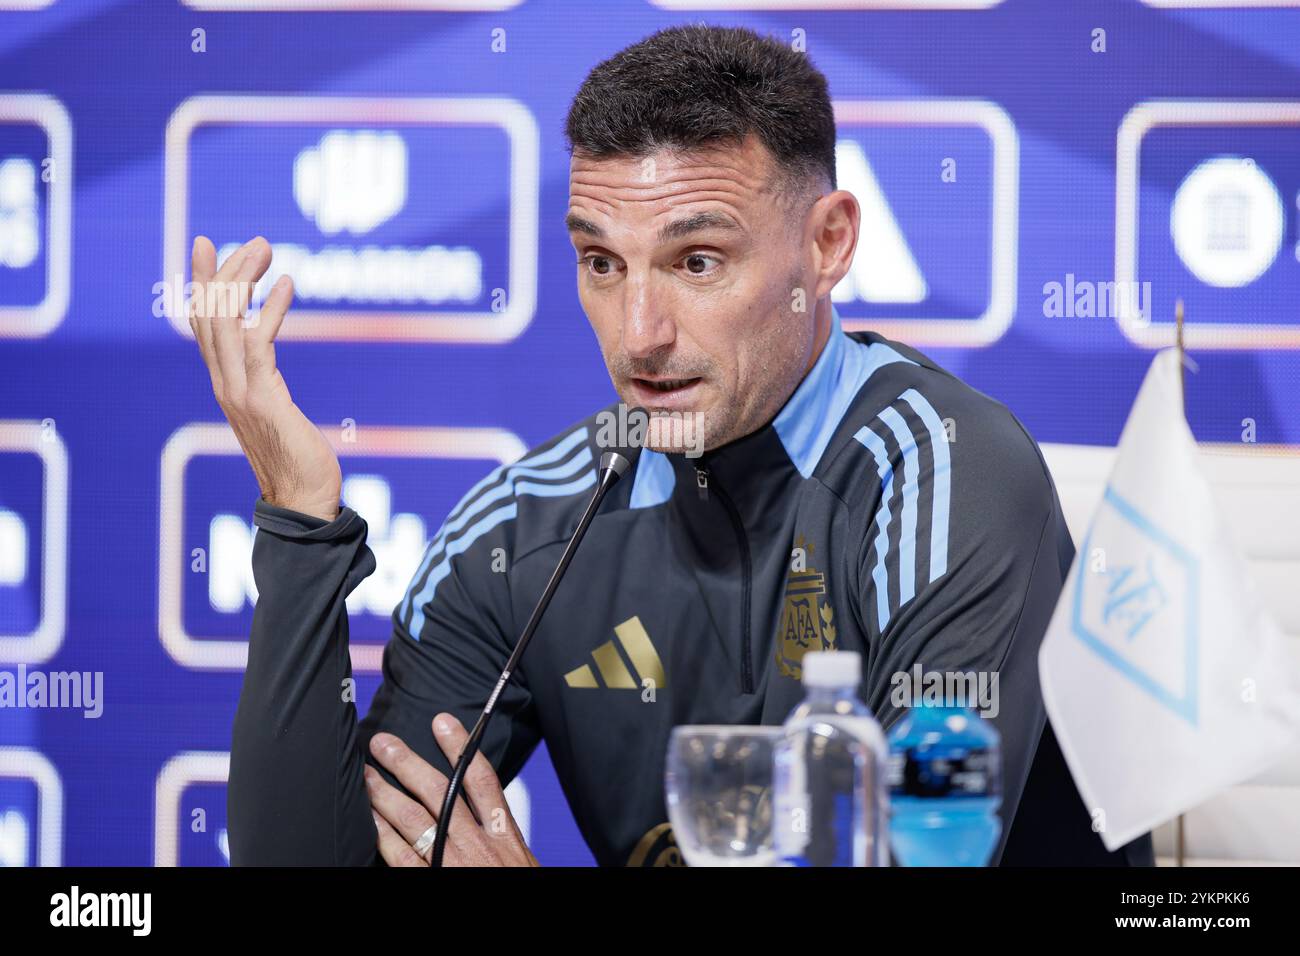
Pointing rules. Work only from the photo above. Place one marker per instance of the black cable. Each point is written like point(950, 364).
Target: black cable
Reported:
point(612, 466)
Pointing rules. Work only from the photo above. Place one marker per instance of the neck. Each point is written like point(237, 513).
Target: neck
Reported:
point(823, 327)
point(821, 333)
point(823, 322)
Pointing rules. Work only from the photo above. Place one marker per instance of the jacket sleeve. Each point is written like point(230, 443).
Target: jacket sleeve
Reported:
point(969, 591)
point(297, 792)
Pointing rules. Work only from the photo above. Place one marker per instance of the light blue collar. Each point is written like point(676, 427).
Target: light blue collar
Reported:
point(807, 421)
point(808, 418)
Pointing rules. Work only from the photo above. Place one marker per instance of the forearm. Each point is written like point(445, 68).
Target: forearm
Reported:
point(296, 793)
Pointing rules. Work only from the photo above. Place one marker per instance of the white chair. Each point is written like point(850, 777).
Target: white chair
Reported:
point(1256, 823)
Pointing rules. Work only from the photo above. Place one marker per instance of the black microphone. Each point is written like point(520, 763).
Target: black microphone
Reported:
point(613, 464)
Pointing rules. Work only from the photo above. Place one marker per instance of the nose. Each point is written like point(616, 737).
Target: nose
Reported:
point(647, 324)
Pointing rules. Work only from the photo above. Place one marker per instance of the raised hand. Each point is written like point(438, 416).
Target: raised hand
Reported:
point(294, 464)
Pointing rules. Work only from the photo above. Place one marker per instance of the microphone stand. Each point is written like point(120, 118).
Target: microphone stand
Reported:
point(612, 467)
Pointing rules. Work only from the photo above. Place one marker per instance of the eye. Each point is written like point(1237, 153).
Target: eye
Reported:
point(697, 263)
point(599, 266)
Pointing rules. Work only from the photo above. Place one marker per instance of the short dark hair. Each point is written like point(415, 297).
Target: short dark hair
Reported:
point(697, 86)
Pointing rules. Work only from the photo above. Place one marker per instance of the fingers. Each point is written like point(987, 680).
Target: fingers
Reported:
point(203, 259)
point(259, 340)
point(203, 263)
point(227, 320)
point(272, 312)
point(405, 815)
point(210, 300)
point(393, 847)
point(497, 842)
point(482, 786)
point(257, 258)
point(419, 778)
point(233, 350)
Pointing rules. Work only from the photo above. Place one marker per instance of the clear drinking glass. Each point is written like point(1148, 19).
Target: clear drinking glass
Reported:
point(719, 790)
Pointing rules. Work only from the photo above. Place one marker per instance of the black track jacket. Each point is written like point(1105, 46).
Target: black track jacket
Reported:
point(887, 509)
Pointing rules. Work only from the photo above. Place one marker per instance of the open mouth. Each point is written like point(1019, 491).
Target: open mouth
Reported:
point(667, 384)
point(666, 392)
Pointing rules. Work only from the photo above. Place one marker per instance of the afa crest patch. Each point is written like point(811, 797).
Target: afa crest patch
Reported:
point(807, 619)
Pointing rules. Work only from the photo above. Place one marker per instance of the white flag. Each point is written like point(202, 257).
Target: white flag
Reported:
point(1164, 678)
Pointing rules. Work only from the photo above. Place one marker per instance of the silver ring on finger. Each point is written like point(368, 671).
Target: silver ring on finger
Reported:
point(426, 839)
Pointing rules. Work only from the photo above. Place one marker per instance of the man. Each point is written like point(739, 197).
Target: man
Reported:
point(851, 496)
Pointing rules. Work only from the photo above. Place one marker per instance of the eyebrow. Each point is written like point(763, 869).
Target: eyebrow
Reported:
point(576, 223)
point(696, 222)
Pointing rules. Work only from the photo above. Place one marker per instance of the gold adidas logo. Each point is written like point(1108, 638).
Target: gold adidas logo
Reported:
point(635, 643)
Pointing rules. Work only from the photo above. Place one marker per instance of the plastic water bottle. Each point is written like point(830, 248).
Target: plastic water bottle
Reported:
point(830, 799)
point(945, 787)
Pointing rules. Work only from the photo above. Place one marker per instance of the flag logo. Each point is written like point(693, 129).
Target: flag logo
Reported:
point(1135, 605)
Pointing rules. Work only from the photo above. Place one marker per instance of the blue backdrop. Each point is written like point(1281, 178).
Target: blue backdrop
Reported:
point(1041, 180)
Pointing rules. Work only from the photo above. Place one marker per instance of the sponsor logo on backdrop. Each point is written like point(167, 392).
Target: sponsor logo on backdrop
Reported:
point(891, 287)
point(1227, 221)
point(221, 551)
point(352, 180)
point(35, 214)
point(367, 177)
point(396, 539)
point(1226, 225)
point(33, 593)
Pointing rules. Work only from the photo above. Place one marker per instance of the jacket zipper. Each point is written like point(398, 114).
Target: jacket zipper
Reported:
point(702, 483)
